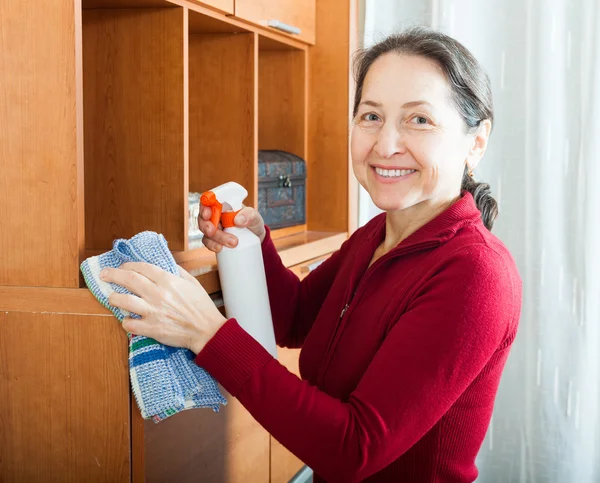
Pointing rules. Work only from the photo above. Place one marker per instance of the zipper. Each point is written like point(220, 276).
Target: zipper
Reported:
point(344, 311)
point(390, 255)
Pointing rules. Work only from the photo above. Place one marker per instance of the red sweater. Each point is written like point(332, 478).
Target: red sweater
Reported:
point(400, 362)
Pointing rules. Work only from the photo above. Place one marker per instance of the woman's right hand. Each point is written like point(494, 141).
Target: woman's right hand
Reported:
point(215, 238)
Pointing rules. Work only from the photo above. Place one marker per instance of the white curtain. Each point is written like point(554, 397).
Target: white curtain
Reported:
point(543, 162)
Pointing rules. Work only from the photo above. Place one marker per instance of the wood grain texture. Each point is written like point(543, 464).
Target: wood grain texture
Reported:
point(329, 121)
point(64, 399)
point(225, 6)
point(52, 300)
point(298, 13)
point(40, 197)
point(282, 108)
point(133, 120)
point(200, 445)
point(87, 4)
point(223, 143)
point(138, 444)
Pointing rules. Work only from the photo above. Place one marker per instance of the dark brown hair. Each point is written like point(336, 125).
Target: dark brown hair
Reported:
point(470, 86)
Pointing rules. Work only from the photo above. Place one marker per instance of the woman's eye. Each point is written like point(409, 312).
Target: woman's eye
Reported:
point(371, 117)
point(420, 120)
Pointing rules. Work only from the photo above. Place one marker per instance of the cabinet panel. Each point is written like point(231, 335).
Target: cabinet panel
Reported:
point(133, 71)
point(41, 198)
point(283, 16)
point(223, 5)
point(64, 398)
point(201, 445)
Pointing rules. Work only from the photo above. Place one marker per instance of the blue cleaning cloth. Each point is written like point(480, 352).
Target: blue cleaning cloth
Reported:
point(165, 380)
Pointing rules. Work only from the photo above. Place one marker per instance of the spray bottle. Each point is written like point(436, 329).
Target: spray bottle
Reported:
point(241, 269)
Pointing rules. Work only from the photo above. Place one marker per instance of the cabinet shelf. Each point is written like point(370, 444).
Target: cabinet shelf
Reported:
point(293, 250)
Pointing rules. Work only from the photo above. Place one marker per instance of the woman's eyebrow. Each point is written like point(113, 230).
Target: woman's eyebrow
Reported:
point(404, 106)
point(416, 103)
point(371, 103)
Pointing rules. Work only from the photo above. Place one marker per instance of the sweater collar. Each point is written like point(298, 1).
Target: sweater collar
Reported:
point(443, 227)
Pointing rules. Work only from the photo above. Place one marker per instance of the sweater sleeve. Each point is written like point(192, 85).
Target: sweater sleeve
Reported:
point(431, 355)
point(294, 303)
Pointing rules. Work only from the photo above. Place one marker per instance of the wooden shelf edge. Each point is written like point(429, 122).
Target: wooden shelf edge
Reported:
point(51, 300)
point(293, 250)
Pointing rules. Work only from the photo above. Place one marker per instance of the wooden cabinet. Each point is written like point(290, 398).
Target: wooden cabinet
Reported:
point(112, 112)
point(292, 17)
point(225, 6)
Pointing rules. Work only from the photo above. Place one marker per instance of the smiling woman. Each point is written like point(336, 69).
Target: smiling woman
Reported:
point(423, 96)
point(405, 330)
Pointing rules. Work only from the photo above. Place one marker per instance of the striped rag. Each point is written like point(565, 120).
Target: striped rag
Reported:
point(165, 380)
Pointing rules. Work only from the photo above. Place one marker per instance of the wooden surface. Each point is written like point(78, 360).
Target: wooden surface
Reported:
point(200, 445)
point(293, 250)
point(327, 188)
point(282, 101)
point(40, 198)
point(298, 13)
point(290, 230)
point(64, 399)
point(126, 4)
point(138, 444)
point(133, 120)
point(222, 111)
point(222, 5)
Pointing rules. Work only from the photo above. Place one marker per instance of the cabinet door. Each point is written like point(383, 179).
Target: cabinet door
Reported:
point(293, 17)
point(64, 396)
point(222, 5)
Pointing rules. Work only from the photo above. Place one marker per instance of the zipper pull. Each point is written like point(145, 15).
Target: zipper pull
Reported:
point(344, 311)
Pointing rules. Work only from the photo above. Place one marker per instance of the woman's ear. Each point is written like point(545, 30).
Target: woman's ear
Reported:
point(479, 144)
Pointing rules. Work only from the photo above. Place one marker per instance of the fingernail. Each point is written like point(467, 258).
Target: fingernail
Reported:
point(241, 219)
point(230, 242)
point(103, 274)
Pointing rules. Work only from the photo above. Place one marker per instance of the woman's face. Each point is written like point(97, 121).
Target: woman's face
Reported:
point(409, 143)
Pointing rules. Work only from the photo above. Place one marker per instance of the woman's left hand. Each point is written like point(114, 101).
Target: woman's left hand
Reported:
point(176, 311)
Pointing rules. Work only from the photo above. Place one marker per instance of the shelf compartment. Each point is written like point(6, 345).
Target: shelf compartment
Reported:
point(222, 106)
point(282, 96)
point(133, 71)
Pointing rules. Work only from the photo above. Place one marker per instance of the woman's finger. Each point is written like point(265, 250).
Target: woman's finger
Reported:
point(130, 303)
point(183, 273)
point(138, 327)
point(133, 281)
point(212, 245)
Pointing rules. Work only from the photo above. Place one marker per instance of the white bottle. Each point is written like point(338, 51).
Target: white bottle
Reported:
point(241, 269)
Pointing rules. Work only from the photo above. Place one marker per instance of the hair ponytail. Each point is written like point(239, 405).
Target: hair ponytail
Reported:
point(482, 195)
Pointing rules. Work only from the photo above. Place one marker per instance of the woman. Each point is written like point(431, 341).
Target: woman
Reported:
point(406, 329)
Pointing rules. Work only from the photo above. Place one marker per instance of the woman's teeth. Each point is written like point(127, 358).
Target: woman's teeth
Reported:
point(393, 173)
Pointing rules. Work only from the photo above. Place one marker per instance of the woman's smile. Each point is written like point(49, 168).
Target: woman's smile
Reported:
point(391, 175)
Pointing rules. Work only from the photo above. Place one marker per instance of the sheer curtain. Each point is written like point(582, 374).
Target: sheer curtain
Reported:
point(543, 163)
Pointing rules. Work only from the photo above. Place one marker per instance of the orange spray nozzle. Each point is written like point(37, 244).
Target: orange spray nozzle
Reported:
point(210, 199)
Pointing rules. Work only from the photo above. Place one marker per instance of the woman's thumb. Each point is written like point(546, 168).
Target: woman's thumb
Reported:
point(248, 218)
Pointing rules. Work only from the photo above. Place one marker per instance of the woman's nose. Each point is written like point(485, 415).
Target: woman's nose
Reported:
point(389, 142)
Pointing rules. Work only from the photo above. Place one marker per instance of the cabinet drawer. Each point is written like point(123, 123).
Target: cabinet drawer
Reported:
point(293, 17)
point(223, 5)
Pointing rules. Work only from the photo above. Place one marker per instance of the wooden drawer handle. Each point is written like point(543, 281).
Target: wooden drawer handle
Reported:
point(284, 27)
